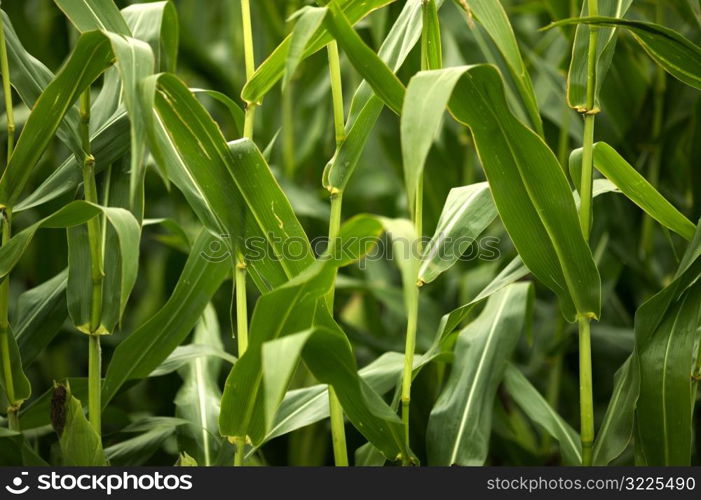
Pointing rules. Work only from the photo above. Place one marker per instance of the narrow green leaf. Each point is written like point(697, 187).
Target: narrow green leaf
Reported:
point(636, 188)
point(89, 15)
point(459, 427)
point(273, 68)
point(309, 19)
point(541, 413)
point(431, 45)
point(157, 24)
point(20, 382)
point(144, 349)
point(529, 188)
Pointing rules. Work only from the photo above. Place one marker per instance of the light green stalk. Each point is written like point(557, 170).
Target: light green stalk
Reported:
point(427, 63)
point(586, 399)
point(96, 270)
point(6, 221)
point(241, 306)
point(338, 431)
point(249, 60)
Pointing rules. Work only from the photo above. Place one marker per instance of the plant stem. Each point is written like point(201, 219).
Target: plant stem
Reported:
point(250, 62)
point(7, 90)
point(338, 430)
point(241, 306)
point(407, 374)
point(586, 402)
point(96, 270)
point(94, 382)
point(240, 451)
point(586, 391)
point(6, 221)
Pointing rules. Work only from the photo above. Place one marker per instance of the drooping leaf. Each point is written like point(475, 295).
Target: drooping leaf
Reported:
point(530, 191)
point(144, 349)
point(635, 187)
point(541, 413)
point(459, 427)
point(467, 212)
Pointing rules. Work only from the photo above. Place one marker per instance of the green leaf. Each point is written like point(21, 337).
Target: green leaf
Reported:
point(309, 19)
point(80, 444)
point(541, 413)
point(529, 188)
point(20, 383)
point(665, 335)
point(89, 15)
point(198, 400)
point(157, 24)
point(491, 15)
point(120, 277)
point(91, 56)
point(40, 313)
point(229, 186)
point(235, 111)
point(292, 309)
point(146, 348)
point(616, 429)
point(680, 57)
point(366, 106)
point(605, 47)
point(151, 433)
point(30, 77)
point(273, 68)
point(635, 187)
point(183, 355)
point(459, 427)
point(467, 212)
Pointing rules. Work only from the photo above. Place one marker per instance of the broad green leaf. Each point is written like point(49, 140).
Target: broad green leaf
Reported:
point(679, 56)
point(198, 400)
point(273, 68)
point(236, 112)
point(541, 413)
point(665, 334)
point(91, 56)
point(146, 348)
point(293, 308)
point(109, 143)
point(635, 187)
point(229, 186)
point(79, 442)
point(616, 429)
point(89, 15)
point(185, 354)
point(157, 24)
point(605, 47)
point(467, 212)
point(530, 190)
point(39, 315)
point(30, 77)
point(37, 412)
point(366, 106)
point(459, 427)
point(491, 15)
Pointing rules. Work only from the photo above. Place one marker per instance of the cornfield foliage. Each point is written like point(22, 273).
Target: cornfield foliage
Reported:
point(420, 232)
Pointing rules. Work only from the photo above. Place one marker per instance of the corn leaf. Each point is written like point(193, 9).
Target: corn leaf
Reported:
point(459, 427)
point(20, 382)
point(605, 48)
point(273, 68)
point(229, 186)
point(431, 45)
point(541, 413)
point(467, 212)
point(680, 57)
point(146, 348)
point(491, 15)
point(529, 188)
point(89, 15)
point(79, 442)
